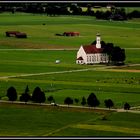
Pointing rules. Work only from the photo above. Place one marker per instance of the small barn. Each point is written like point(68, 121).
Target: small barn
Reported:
point(21, 35)
point(16, 34)
point(71, 34)
point(11, 33)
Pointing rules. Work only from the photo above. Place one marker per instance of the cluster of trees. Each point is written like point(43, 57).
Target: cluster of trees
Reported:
point(52, 9)
point(113, 14)
point(38, 96)
point(116, 54)
point(117, 14)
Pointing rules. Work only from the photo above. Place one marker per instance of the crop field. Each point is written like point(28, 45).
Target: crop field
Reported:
point(31, 62)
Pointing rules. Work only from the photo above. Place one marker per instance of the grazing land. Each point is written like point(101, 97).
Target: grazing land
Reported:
point(31, 62)
point(31, 120)
point(122, 33)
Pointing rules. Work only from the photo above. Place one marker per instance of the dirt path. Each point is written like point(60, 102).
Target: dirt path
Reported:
point(122, 70)
point(104, 68)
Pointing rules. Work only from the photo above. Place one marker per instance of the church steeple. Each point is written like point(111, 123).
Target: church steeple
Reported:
point(98, 40)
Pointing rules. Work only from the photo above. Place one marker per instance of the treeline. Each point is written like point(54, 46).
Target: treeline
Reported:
point(51, 9)
point(38, 96)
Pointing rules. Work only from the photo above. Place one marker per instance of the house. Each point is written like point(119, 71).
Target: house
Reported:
point(92, 54)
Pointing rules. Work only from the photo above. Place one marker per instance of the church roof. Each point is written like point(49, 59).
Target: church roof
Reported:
point(90, 49)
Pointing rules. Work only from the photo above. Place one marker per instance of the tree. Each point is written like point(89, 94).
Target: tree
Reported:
point(27, 89)
point(42, 97)
point(92, 100)
point(12, 94)
point(109, 103)
point(89, 10)
point(76, 100)
point(38, 96)
point(25, 96)
point(117, 55)
point(68, 101)
point(126, 106)
point(83, 101)
point(50, 99)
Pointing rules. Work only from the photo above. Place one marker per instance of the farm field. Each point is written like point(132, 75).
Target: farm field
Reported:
point(31, 120)
point(31, 62)
point(122, 33)
point(104, 82)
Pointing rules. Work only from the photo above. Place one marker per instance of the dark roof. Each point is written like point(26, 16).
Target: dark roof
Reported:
point(71, 33)
point(80, 58)
point(89, 49)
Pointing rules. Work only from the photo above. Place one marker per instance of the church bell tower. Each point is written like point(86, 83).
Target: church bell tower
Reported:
point(98, 41)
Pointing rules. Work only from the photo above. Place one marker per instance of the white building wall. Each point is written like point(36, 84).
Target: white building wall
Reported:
point(81, 53)
point(92, 58)
point(97, 58)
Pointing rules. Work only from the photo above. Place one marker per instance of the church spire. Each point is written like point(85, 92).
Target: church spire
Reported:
point(98, 40)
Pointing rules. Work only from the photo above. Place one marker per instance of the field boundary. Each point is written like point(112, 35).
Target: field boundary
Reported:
point(103, 68)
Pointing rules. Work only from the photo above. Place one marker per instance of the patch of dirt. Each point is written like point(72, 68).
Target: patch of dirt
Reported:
point(123, 70)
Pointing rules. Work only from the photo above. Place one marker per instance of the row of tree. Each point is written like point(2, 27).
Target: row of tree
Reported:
point(114, 13)
point(38, 96)
point(92, 101)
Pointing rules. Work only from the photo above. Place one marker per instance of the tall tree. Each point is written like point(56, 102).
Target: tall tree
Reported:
point(76, 100)
point(50, 99)
point(126, 106)
point(25, 96)
point(92, 100)
point(83, 101)
point(27, 89)
point(38, 96)
point(117, 55)
point(109, 103)
point(68, 101)
point(12, 94)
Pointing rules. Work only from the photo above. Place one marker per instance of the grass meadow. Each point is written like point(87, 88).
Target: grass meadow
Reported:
point(122, 33)
point(31, 120)
point(120, 84)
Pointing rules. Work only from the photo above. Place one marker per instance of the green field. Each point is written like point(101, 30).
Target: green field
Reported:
point(29, 120)
point(121, 84)
point(122, 33)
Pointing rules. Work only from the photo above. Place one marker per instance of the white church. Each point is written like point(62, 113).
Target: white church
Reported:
point(92, 54)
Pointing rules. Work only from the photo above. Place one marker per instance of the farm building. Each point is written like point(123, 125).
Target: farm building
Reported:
point(71, 34)
point(21, 35)
point(11, 33)
point(92, 54)
point(16, 34)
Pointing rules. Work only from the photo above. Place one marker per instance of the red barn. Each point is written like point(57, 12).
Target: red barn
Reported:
point(16, 34)
point(21, 35)
point(71, 33)
point(11, 33)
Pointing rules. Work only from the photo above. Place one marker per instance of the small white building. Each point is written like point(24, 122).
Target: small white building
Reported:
point(92, 54)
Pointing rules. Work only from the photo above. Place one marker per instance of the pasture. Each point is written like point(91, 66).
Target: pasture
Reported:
point(43, 121)
point(122, 33)
point(105, 83)
point(23, 59)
